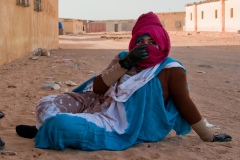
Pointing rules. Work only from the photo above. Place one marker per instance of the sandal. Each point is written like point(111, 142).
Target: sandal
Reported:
point(1, 115)
point(2, 144)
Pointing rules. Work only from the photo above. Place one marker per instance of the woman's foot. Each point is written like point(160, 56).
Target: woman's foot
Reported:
point(26, 131)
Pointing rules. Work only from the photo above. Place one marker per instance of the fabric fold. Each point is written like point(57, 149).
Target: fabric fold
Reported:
point(143, 117)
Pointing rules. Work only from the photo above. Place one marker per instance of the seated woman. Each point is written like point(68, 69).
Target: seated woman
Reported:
point(140, 97)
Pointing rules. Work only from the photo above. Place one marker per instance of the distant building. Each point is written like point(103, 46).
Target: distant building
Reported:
point(73, 26)
point(95, 27)
point(119, 25)
point(213, 15)
point(172, 21)
point(26, 25)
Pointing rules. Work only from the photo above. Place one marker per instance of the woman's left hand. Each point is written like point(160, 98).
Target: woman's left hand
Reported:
point(222, 137)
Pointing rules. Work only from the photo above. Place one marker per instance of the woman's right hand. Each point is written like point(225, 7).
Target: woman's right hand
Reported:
point(134, 56)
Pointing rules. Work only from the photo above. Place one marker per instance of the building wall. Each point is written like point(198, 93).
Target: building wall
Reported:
point(127, 26)
point(68, 27)
point(172, 21)
point(23, 29)
point(73, 26)
point(110, 26)
point(95, 27)
point(119, 25)
point(209, 22)
point(78, 27)
point(223, 22)
point(113, 26)
point(191, 18)
point(232, 24)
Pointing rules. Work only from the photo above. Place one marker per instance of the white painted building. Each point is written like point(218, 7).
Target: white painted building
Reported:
point(213, 15)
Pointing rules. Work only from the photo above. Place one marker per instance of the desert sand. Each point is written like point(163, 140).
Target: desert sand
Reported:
point(212, 61)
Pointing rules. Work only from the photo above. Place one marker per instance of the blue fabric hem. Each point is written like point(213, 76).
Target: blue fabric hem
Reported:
point(150, 119)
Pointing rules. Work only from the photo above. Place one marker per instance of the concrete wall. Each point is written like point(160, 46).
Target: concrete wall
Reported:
point(23, 29)
point(68, 27)
point(95, 27)
point(127, 26)
point(216, 16)
point(119, 25)
point(232, 24)
point(172, 21)
point(110, 26)
point(191, 18)
point(73, 26)
point(209, 22)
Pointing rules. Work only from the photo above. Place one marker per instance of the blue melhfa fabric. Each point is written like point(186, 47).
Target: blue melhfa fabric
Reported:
point(149, 119)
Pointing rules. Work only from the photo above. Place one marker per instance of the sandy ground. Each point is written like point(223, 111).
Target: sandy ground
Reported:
point(213, 71)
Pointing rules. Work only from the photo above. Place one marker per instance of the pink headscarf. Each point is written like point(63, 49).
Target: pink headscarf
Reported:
point(150, 24)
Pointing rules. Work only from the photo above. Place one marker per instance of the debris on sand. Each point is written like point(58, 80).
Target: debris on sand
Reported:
point(41, 52)
point(62, 61)
point(201, 72)
point(70, 83)
point(8, 153)
point(51, 86)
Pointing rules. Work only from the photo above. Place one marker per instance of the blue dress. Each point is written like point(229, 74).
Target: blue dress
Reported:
point(148, 119)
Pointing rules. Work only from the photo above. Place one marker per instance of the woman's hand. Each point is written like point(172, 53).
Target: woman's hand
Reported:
point(222, 137)
point(134, 56)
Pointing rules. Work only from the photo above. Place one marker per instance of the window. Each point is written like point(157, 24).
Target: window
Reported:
point(202, 15)
point(190, 16)
point(216, 14)
point(231, 13)
point(38, 5)
point(24, 3)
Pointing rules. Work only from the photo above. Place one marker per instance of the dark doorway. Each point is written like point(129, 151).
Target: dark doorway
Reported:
point(116, 27)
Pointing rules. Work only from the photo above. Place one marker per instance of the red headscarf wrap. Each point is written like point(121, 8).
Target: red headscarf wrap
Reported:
point(150, 24)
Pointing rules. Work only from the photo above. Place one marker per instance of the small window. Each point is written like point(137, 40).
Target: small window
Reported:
point(202, 15)
point(24, 3)
point(216, 14)
point(38, 5)
point(190, 16)
point(231, 13)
